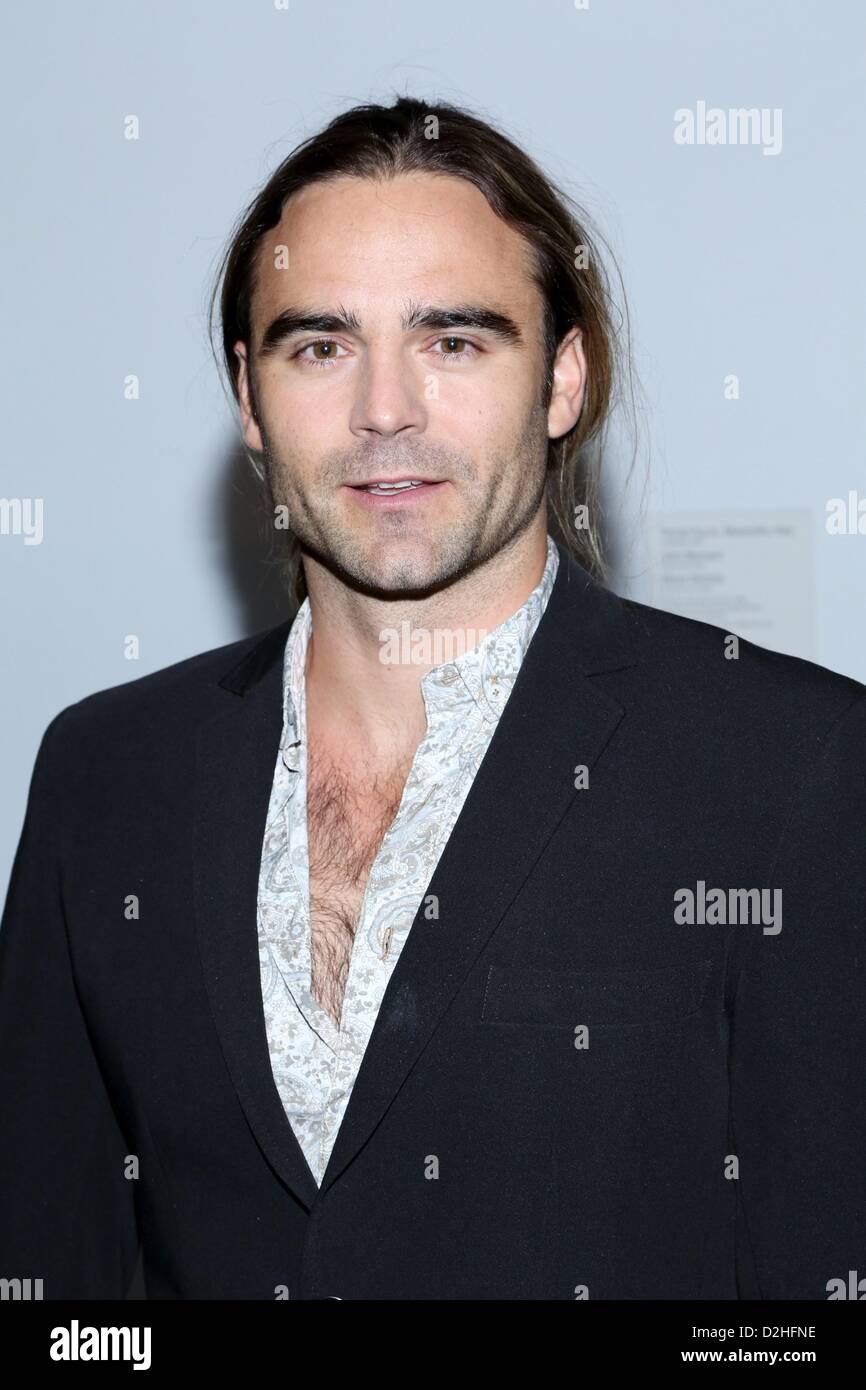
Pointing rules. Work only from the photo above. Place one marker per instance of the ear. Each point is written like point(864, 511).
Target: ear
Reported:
point(251, 431)
point(569, 384)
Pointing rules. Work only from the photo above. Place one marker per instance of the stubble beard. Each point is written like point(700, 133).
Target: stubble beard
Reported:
point(490, 520)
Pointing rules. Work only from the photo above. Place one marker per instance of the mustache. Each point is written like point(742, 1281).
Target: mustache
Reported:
point(434, 462)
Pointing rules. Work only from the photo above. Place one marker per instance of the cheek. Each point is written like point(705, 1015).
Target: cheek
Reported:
point(306, 418)
point(495, 415)
point(494, 398)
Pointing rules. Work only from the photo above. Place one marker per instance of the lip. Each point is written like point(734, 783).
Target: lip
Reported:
point(401, 478)
point(408, 497)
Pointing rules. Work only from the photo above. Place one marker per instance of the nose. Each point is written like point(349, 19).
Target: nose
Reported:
point(389, 396)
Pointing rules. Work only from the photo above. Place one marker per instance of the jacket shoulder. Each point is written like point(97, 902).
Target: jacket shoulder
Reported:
point(188, 690)
point(700, 662)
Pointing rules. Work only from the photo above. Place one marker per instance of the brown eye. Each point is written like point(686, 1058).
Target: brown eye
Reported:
point(456, 348)
point(320, 353)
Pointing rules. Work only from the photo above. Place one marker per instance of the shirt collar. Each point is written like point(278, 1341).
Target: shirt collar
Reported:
point(482, 676)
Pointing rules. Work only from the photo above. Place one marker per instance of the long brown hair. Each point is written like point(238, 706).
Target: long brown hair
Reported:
point(374, 141)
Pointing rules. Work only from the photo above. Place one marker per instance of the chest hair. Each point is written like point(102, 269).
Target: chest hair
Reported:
point(349, 811)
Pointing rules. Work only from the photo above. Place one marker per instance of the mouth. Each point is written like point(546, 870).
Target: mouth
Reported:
point(391, 484)
point(394, 492)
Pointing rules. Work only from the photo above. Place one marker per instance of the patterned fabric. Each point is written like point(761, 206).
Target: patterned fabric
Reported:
point(315, 1063)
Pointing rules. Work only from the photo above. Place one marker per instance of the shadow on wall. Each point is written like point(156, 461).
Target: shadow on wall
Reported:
point(244, 530)
point(613, 542)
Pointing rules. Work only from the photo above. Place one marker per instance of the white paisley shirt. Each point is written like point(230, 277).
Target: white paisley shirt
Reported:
point(314, 1062)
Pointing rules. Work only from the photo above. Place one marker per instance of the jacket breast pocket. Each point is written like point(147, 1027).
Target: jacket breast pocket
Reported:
point(627, 998)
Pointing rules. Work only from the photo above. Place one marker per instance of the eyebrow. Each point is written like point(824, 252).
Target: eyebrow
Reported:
point(478, 316)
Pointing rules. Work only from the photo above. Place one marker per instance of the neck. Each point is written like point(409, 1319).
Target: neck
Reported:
point(352, 690)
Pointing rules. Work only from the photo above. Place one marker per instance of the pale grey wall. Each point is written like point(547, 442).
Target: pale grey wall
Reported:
point(736, 262)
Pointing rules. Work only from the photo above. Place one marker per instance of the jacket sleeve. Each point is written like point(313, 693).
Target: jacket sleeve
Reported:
point(67, 1212)
point(798, 1046)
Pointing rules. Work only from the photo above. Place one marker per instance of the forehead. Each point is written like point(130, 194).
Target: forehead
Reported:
point(376, 242)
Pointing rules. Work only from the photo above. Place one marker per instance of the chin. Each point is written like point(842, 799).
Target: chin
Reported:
point(409, 568)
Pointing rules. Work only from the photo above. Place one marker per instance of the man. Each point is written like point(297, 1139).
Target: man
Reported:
point(474, 934)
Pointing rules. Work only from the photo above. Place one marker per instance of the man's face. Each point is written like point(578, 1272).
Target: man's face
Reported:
point(421, 358)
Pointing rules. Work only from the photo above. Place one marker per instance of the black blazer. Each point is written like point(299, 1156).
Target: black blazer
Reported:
point(709, 1142)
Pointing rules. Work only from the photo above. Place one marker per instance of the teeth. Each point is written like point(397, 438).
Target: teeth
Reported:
point(392, 487)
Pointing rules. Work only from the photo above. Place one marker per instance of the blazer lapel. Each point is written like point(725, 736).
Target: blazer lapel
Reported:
point(236, 755)
point(555, 719)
